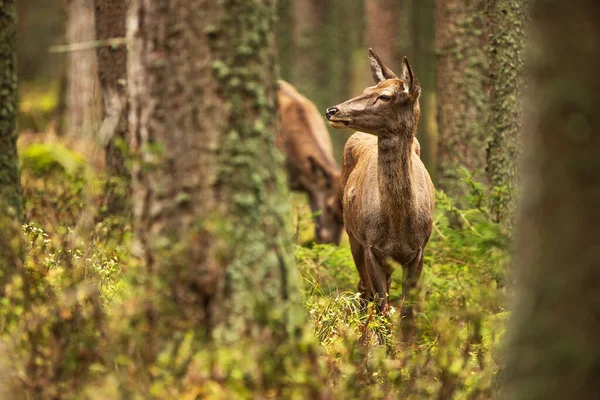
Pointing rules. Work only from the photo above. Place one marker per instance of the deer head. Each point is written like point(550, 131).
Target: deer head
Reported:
point(381, 108)
point(326, 198)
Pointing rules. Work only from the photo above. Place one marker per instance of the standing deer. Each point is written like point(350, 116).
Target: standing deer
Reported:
point(387, 194)
point(311, 168)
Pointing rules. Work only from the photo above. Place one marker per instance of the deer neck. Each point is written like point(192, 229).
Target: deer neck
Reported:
point(395, 171)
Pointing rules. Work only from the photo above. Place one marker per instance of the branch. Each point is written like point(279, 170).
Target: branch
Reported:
point(93, 44)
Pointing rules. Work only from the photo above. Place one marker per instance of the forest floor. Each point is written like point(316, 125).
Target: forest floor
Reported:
point(460, 316)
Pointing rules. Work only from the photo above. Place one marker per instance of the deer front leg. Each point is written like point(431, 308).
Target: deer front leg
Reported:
point(378, 274)
point(411, 272)
point(358, 254)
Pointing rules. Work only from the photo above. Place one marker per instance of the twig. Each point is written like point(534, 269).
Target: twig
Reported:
point(93, 44)
point(458, 261)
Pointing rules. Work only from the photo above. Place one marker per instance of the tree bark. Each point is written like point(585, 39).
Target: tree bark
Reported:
point(462, 90)
point(506, 26)
point(112, 71)
point(307, 19)
point(210, 205)
point(554, 335)
point(11, 212)
point(422, 58)
point(82, 87)
point(284, 38)
point(382, 18)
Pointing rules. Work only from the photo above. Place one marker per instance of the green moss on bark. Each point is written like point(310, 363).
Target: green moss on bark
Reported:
point(210, 201)
point(506, 26)
point(10, 193)
point(10, 200)
point(250, 177)
point(462, 90)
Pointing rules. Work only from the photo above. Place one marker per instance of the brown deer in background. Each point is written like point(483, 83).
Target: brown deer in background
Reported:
point(310, 165)
point(388, 196)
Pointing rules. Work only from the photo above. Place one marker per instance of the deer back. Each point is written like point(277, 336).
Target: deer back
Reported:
point(305, 142)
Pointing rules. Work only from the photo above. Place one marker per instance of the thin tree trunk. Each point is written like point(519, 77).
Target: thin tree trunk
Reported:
point(506, 22)
point(382, 19)
point(210, 205)
point(307, 19)
point(10, 192)
point(11, 212)
point(112, 70)
point(82, 88)
point(554, 337)
point(462, 90)
point(422, 57)
point(337, 40)
point(284, 38)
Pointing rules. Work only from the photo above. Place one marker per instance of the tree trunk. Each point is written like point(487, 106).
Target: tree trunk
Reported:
point(382, 18)
point(11, 213)
point(10, 192)
point(82, 87)
point(554, 337)
point(307, 19)
point(112, 71)
point(422, 58)
point(506, 26)
point(462, 90)
point(210, 203)
point(284, 38)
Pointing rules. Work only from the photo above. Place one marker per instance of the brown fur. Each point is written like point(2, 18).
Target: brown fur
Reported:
point(305, 141)
point(387, 194)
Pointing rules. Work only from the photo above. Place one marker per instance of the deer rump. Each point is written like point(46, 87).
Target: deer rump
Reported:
point(311, 168)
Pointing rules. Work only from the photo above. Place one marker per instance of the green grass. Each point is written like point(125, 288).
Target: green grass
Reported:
point(460, 315)
point(460, 319)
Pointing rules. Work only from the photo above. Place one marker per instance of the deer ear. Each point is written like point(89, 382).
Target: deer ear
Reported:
point(411, 84)
point(320, 173)
point(379, 70)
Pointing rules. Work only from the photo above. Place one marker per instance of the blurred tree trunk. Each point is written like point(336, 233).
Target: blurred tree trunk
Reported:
point(338, 39)
point(382, 20)
point(422, 58)
point(11, 213)
point(112, 71)
point(82, 89)
point(554, 339)
point(462, 89)
point(210, 202)
point(285, 39)
point(307, 19)
point(506, 26)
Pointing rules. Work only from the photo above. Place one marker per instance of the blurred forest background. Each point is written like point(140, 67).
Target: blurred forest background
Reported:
point(149, 253)
point(321, 50)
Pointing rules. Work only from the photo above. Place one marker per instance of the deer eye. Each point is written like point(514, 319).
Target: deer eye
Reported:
point(385, 97)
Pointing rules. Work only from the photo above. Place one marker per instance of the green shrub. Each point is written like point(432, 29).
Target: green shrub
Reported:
point(73, 339)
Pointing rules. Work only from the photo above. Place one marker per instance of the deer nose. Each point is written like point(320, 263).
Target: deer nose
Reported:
point(330, 112)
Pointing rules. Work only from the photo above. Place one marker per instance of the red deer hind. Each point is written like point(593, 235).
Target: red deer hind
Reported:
point(311, 168)
point(387, 194)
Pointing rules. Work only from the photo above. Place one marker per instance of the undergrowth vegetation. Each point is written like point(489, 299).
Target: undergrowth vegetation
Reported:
point(78, 272)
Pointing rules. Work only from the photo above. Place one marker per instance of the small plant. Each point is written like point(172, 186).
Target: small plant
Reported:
point(76, 335)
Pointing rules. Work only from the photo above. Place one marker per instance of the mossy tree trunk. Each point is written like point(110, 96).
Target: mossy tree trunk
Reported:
point(210, 202)
point(112, 71)
point(83, 110)
point(11, 213)
point(554, 337)
point(462, 90)
point(506, 27)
